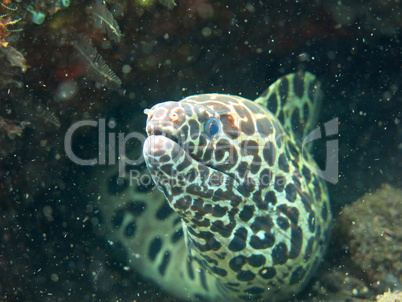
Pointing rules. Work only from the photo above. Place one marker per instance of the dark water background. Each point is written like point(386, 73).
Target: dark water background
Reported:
point(48, 247)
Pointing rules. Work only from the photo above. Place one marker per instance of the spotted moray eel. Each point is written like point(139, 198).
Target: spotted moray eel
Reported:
point(241, 215)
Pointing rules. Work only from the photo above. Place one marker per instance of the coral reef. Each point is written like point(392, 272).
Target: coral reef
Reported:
point(390, 297)
point(373, 236)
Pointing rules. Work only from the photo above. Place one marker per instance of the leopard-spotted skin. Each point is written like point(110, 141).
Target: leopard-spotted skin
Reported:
point(250, 218)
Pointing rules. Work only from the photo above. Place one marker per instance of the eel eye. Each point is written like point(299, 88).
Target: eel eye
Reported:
point(212, 127)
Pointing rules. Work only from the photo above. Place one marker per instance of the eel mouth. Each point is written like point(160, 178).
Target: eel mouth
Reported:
point(168, 132)
point(165, 134)
point(176, 140)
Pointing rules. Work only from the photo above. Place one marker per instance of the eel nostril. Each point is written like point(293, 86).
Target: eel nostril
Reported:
point(149, 113)
point(174, 116)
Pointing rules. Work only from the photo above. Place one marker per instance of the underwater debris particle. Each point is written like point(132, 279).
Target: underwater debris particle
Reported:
point(66, 91)
point(167, 3)
point(16, 58)
point(104, 20)
point(12, 127)
point(97, 67)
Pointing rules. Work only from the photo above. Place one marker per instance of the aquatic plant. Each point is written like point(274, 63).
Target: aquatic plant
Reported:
point(104, 20)
point(5, 22)
point(97, 67)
